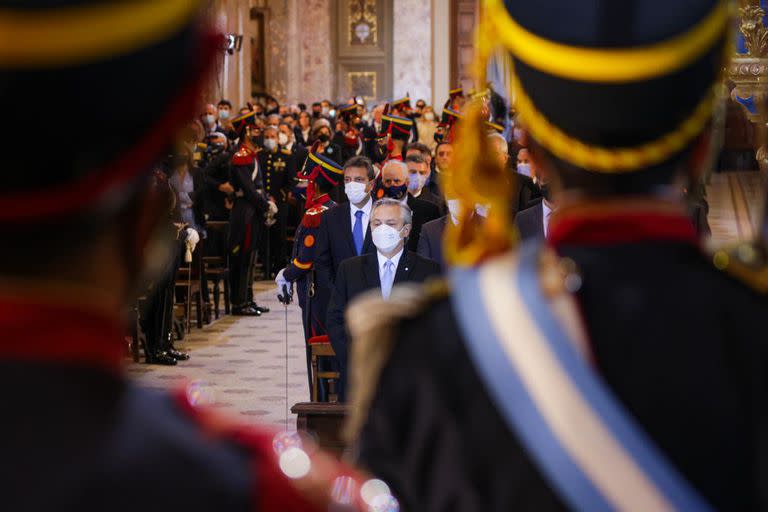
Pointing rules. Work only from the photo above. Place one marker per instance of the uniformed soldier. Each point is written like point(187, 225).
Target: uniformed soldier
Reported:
point(348, 135)
point(81, 227)
point(398, 131)
point(617, 368)
point(250, 209)
point(279, 174)
point(323, 174)
point(402, 108)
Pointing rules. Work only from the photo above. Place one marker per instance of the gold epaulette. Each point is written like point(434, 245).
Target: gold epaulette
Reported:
point(372, 323)
point(286, 151)
point(747, 262)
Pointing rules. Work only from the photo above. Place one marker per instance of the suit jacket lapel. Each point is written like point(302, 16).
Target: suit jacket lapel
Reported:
point(404, 268)
point(371, 271)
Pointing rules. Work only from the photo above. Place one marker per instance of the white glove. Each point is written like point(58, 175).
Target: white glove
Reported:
point(271, 213)
point(281, 281)
point(192, 239)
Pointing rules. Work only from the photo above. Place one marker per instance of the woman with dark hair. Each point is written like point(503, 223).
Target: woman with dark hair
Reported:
point(322, 132)
point(303, 130)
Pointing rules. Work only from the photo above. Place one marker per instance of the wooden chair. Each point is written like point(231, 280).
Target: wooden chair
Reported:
point(321, 347)
point(188, 287)
point(216, 264)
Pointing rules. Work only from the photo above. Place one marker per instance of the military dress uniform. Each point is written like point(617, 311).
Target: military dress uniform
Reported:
point(77, 432)
point(246, 225)
point(617, 367)
point(278, 177)
point(319, 171)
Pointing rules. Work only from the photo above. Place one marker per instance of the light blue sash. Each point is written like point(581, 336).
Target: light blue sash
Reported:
point(580, 436)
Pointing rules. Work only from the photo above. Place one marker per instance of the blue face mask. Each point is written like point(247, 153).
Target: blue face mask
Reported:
point(524, 169)
point(396, 192)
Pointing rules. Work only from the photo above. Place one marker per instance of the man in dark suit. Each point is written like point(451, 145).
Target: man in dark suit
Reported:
point(431, 240)
point(394, 180)
point(525, 190)
point(392, 263)
point(533, 222)
point(343, 231)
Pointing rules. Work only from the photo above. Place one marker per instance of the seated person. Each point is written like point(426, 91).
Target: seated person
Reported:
point(392, 263)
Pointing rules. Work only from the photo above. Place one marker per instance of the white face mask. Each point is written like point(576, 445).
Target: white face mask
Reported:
point(270, 144)
point(524, 169)
point(416, 182)
point(429, 116)
point(355, 192)
point(454, 207)
point(325, 111)
point(481, 210)
point(282, 139)
point(209, 119)
point(385, 238)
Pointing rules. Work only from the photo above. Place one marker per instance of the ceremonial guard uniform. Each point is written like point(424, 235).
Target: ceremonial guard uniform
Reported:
point(246, 225)
point(278, 175)
point(322, 174)
point(619, 367)
point(77, 433)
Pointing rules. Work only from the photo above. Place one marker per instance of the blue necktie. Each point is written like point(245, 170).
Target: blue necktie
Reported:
point(357, 232)
point(388, 279)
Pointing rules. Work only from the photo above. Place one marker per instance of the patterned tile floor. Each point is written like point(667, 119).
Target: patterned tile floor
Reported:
point(241, 363)
point(243, 360)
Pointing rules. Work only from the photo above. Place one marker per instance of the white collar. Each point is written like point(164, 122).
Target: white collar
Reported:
point(365, 209)
point(394, 259)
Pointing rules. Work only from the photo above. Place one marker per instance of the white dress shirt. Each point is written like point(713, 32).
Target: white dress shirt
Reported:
point(366, 216)
point(546, 212)
point(395, 261)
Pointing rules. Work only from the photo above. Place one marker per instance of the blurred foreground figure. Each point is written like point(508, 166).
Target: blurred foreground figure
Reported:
point(614, 367)
point(82, 226)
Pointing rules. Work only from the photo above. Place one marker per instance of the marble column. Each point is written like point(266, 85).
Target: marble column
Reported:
point(412, 59)
point(315, 51)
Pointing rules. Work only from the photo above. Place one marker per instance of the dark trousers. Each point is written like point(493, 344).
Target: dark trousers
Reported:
point(157, 320)
point(273, 251)
point(241, 277)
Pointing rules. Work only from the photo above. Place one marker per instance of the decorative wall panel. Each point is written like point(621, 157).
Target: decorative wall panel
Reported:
point(412, 62)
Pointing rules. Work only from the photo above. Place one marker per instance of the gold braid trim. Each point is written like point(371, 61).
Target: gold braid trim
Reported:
point(610, 160)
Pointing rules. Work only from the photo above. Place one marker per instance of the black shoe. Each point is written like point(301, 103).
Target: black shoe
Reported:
point(245, 311)
point(263, 309)
point(163, 358)
point(178, 355)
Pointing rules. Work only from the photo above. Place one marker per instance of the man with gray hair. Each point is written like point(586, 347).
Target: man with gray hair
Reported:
point(394, 182)
point(392, 263)
point(525, 190)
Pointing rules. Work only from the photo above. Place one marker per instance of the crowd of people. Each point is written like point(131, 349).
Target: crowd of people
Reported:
point(333, 200)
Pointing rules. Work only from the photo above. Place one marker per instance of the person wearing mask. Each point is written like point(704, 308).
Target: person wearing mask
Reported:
point(392, 263)
point(303, 129)
point(273, 120)
point(317, 110)
point(225, 113)
point(285, 137)
point(525, 190)
point(426, 125)
point(210, 118)
point(322, 133)
point(258, 108)
point(325, 109)
point(344, 230)
point(394, 181)
point(322, 176)
point(278, 173)
point(418, 176)
point(533, 222)
point(272, 107)
point(432, 234)
point(249, 212)
point(217, 188)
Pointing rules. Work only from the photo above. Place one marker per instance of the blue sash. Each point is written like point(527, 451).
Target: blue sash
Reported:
point(580, 436)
